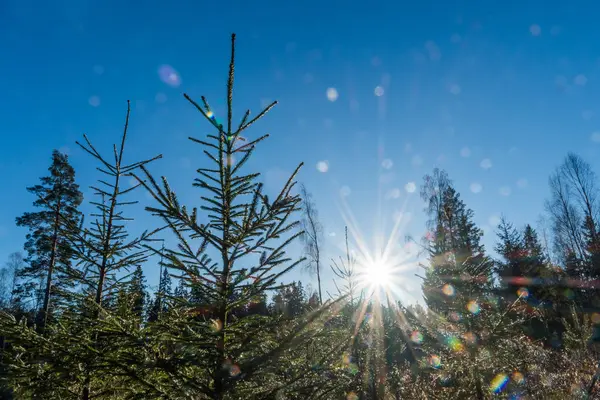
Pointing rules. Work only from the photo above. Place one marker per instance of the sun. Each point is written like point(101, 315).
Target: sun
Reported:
point(378, 274)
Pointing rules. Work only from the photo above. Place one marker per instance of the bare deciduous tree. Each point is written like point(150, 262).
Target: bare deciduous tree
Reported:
point(582, 181)
point(573, 204)
point(542, 227)
point(15, 263)
point(313, 232)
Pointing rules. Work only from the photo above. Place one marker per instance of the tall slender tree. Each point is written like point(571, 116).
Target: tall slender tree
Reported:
point(59, 198)
point(105, 250)
point(312, 237)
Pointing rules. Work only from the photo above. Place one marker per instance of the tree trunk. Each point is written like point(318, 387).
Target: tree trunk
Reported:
point(2, 347)
point(86, 389)
point(590, 390)
point(46, 306)
point(104, 264)
point(319, 280)
point(480, 395)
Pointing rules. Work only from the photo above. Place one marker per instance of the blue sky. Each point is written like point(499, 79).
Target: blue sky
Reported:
point(494, 92)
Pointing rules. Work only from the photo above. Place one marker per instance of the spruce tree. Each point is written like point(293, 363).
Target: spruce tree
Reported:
point(104, 251)
point(162, 296)
point(181, 291)
point(458, 287)
point(59, 198)
point(458, 263)
point(290, 300)
point(345, 270)
point(247, 233)
point(511, 247)
point(526, 274)
point(75, 357)
point(137, 293)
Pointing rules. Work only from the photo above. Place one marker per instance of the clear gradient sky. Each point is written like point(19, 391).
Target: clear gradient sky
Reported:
point(495, 92)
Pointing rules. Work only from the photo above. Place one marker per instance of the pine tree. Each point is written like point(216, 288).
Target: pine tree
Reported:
point(526, 274)
point(59, 197)
point(258, 305)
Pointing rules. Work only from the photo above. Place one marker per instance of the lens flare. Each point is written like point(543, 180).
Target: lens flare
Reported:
point(518, 377)
point(378, 274)
point(168, 75)
point(470, 338)
point(455, 317)
point(235, 370)
point(346, 359)
point(416, 337)
point(435, 361)
point(498, 383)
point(473, 307)
point(448, 290)
point(455, 344)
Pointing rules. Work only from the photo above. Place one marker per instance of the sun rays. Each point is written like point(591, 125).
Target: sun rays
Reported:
point(377, 274)
point(387, 267)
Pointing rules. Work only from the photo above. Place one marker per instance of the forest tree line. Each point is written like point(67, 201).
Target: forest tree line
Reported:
point(78, 321)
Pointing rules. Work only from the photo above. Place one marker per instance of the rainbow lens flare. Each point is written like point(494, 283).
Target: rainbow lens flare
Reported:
point(473, 307)
point(499, 383)
point(416, 337)
point(448, 290)
point(435, 361)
